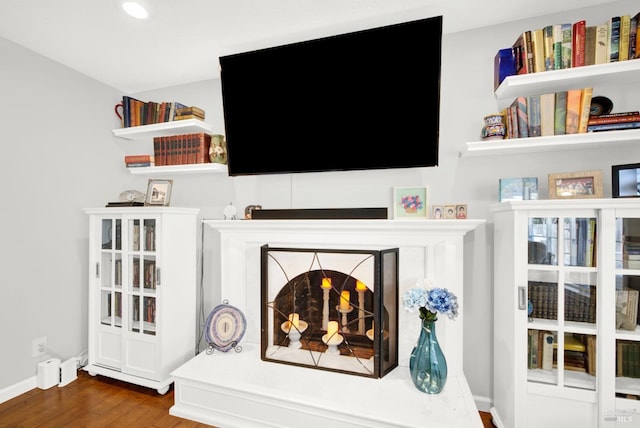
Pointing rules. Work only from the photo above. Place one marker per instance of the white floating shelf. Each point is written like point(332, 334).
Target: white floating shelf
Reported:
point(148, 132)
point(199, 168)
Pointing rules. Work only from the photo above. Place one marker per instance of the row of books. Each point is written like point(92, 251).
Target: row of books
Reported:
point(579, 351)
point(182, 149)
point(628, 358)
point(579, 301)
point(614, 121)
point(557, 113)
point(136, 112)
point(136, 161)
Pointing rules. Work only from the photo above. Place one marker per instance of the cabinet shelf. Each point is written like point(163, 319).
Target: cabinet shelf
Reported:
point(148, 132)
point(197, 168)
point(590, 140)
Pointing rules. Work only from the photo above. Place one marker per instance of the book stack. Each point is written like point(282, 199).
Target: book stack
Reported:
point(182, 149)
point(579, 302)
point(614, 121)
point(544, 300)
point(628, 358)
point(557, 113)
point(136, 161)
point(566, 45)
point(189, 113)
point(631, 252)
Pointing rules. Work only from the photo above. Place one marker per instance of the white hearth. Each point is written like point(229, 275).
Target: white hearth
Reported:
point(240, 390)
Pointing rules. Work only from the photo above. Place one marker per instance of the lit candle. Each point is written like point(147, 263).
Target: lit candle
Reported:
point(360, 286)
point(345, 297)
point(294, 319)
point(332, 328)
point(326, 283)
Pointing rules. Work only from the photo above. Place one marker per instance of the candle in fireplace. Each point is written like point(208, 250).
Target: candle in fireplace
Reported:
point(332, 329)
point(345, 298)
point(326, 283)
point(294, 319)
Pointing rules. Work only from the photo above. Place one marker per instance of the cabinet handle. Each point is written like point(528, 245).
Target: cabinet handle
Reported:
point(158, 276)
point(97, 269)
point(522, 301)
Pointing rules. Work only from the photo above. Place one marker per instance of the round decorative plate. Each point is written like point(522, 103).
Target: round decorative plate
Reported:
point(225, 327)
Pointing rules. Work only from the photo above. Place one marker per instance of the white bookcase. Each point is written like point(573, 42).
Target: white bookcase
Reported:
point(568, 258)
point(142, 293)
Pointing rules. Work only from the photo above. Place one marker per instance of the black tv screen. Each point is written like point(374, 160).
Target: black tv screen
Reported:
point(363, 100)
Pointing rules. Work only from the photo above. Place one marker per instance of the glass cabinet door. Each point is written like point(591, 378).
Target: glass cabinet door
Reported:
point(627, 289)
point(561, 302)
point(110, 273)
point(142, 276)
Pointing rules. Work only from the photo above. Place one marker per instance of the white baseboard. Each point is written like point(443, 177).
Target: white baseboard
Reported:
point(483, 404)
point(19, 388)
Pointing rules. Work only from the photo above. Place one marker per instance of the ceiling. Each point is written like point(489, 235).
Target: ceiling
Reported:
point(182, 40)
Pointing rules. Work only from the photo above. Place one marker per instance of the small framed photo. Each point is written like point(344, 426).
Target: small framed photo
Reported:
point(518, 189)
point(449, 211)
point(576, 185)
point(437, 212)
point(410, 202)
point(159, 192)
point(625, 180)
point(461, 211)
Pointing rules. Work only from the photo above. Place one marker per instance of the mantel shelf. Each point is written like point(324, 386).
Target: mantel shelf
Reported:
point(148, 132)
point(590, 140)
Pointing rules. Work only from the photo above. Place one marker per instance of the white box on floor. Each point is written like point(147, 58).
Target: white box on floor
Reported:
point(49, 373)
point(68, 371)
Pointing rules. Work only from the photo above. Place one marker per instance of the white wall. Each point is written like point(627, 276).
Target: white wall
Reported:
point(71, 151)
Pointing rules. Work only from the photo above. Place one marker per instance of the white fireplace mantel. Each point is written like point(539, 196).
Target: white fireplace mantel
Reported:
point(241, 390)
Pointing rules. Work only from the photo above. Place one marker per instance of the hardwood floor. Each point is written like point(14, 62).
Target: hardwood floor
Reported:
point(99, 401)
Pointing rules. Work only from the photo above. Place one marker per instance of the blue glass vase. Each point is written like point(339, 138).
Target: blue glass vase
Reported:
point(427, 363)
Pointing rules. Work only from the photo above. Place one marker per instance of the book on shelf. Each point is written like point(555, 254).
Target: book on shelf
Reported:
point(585, 108)
point(613, 126)
point(573, 111)
point(138, 158)
point(549, 57)
point(190, 110)
point(578, 43)
point(521, 112)
point(537, 44)
point(139, 164)
point(547, 350)
point(188, 116)
point(627, 358)
point(633, 36)
point(614, 39)
point(625, 27)
point(629, 116)
point(602, 43)
point(627, 309)
point(547, 114)
point(124, 204)
point(562, 41)
point(183, 148)
point(560, 117)
point(523, 54)
point(533, 115)
point(590, 45)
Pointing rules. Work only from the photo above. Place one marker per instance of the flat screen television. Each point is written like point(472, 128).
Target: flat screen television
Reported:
point(357, 101)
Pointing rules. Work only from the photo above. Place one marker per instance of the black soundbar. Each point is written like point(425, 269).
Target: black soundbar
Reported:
point(320, 214)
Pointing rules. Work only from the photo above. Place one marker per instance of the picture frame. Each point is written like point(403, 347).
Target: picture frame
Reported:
point(625, 180)
point(461, 211)
point(518, 189)
point(576, 185)
point(410, 202)
point(450, 212)
point(437, 212)
point(159, 192)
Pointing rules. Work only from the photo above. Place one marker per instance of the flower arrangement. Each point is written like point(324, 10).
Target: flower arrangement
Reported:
point(411, 202)
point(430, 301)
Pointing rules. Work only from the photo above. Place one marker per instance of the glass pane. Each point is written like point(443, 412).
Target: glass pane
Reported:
point(149, 316)
point(118, 271)
point(118, 236)
point(541, 359)
point(628, 369)
point(111, 308)
point(627, 297)
point(543, 295)
point(149, 235)
point(543, 241)
point(579, 361)
point(135, 272)
point(107, 231)
point(134, 313)
point(580, 296)
point(150, 273)
point(580, 242)
point(135, 235)
point(106, 269)
point(628, 243)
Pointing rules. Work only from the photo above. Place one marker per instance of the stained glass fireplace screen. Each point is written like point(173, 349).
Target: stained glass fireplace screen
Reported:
point(332, 309)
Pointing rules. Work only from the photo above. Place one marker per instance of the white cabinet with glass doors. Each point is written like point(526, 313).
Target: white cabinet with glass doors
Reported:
point(566, 334)
point(142, 293)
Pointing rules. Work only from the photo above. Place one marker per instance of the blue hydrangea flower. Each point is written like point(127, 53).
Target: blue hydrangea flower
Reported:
point(430, 302)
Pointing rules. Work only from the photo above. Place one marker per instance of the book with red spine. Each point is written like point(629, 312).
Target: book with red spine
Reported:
point(578, 43)
point(138, 158)
point(630, 116)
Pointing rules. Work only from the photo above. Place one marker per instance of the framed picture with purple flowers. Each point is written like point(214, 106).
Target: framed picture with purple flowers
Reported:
point(410, 202)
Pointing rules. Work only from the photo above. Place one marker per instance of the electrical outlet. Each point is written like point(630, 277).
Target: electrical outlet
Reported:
point(39, 346)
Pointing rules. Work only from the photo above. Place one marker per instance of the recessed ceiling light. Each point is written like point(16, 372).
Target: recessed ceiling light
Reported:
point(135, 9)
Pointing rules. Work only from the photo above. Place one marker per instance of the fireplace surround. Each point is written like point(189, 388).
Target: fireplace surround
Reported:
point(241, 390)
